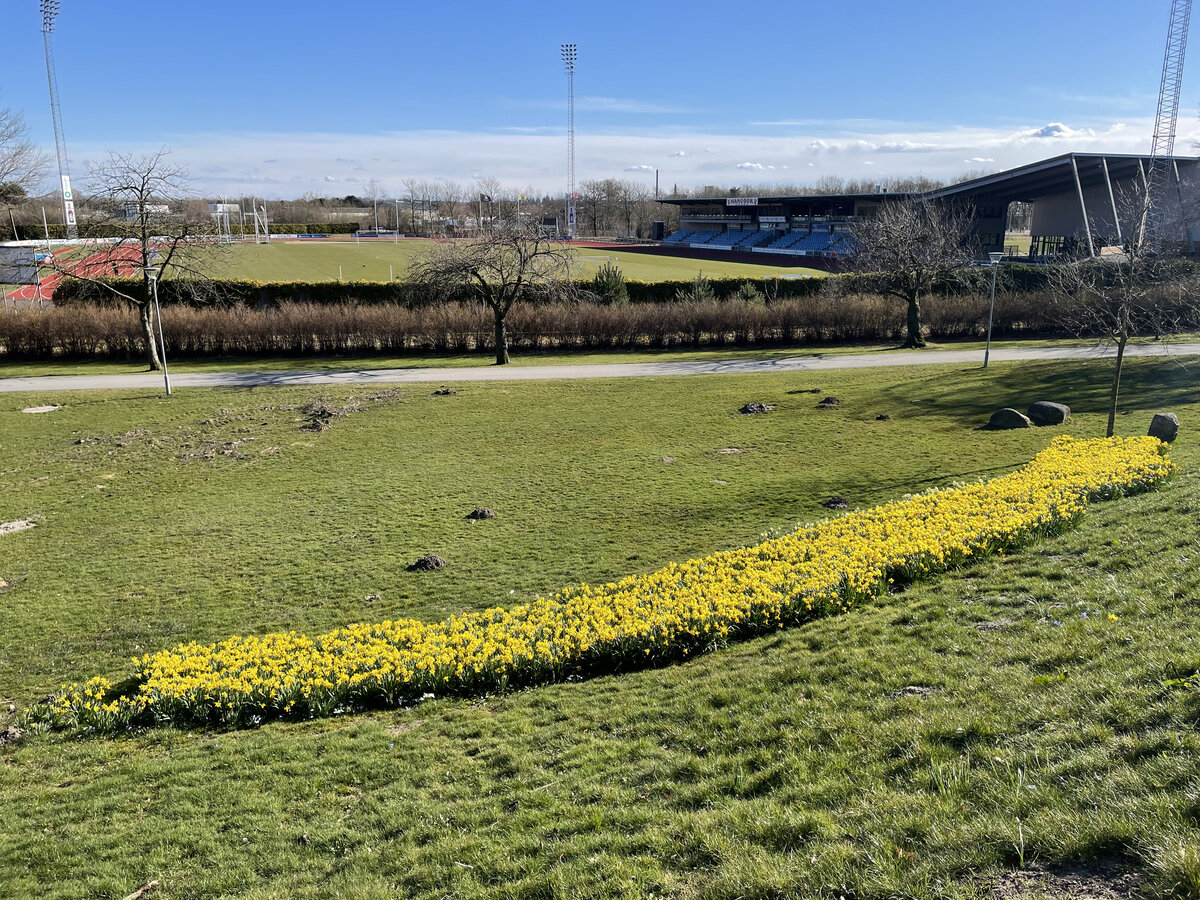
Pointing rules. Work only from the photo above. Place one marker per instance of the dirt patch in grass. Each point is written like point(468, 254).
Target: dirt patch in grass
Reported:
point(730, 450)
point(319, 414)
point(1103, 879)
point(16, 525)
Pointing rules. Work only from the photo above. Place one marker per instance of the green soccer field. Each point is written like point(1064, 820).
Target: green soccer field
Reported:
point(380, 261)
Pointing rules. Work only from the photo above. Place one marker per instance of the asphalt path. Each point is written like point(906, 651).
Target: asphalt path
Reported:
point(814, 363)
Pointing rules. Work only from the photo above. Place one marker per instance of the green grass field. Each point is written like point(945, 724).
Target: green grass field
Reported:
point(1034, 729)
point(319, 261)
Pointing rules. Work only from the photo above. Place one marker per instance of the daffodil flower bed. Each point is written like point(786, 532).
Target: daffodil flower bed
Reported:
point(670, 614)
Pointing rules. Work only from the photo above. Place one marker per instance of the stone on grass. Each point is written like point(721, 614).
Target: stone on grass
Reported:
point(836, 503)
point(1164, 426)
point(481, 512)
point(829, 402)
point(1043, 412)
point(427, 564)
point(1004, 419)
point(883, 417)
point(754, 409)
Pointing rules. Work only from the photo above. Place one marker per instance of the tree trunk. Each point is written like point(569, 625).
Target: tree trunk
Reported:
point(915, 338)
point(501, 338)
point(1116, 385)
point(148, 336)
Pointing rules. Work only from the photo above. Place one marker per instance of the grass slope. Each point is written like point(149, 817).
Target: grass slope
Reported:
point(319, 261)
point(791, 763)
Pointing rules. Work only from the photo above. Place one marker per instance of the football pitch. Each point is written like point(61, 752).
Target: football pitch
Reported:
point(381, 261)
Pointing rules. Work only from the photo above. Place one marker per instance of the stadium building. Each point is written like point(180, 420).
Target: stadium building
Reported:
point(1080, 205)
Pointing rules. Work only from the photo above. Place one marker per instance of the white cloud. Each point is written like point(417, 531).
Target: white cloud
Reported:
point(750, 165)
point(303, 161)
point(639, 168)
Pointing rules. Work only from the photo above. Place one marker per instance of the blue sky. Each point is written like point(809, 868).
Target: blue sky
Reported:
point(281, 98)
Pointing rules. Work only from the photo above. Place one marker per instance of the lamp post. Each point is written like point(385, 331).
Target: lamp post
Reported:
point(152, 272)
point(994, 262)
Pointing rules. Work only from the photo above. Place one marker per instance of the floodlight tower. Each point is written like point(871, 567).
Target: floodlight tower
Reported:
point(49, 13)
point(569, 54)
point(1162, 146)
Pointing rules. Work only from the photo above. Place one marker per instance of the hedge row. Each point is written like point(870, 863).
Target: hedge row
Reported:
point(245, 292)
point(90, 331)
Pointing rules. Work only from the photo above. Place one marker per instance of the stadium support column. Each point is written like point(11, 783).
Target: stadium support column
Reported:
point(1087, 226)
point(1112, 199)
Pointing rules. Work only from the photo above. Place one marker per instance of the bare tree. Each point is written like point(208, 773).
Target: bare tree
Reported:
point(22, 164)
point(907, 249)
point(502, 267)
point(142, 220)
point(1140, 293)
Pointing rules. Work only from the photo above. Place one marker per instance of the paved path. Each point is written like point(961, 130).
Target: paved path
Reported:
point(604, 370)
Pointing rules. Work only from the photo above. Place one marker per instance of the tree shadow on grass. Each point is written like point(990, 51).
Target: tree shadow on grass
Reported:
point(1084, 386)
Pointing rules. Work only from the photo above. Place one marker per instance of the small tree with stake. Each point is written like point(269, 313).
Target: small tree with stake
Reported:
point(907, 249)
point(1140, 293)
point(142, 215)
point(503, 266)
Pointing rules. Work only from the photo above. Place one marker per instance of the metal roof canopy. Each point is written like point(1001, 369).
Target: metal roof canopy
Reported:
point(1051, 176)
point(1039, 179)
point(800, 198)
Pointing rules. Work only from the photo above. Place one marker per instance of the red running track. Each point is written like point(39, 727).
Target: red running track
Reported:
point(119, 260)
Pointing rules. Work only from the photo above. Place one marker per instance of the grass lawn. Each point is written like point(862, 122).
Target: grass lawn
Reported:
point(919, 747)
point(370, 261)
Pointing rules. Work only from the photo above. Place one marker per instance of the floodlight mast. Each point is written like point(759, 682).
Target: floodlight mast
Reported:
point(1162, 146)
point(569, 55)
point(49, 14)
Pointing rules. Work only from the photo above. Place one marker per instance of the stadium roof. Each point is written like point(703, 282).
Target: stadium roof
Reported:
point(1039, 179)
point(816, 198)
point(1050, 176)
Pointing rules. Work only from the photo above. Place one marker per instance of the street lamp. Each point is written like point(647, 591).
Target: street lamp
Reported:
point(994, 261)
point(152, 272)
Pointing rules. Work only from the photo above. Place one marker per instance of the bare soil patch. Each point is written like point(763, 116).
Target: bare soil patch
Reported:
point(16, 525)
point(1102, 879)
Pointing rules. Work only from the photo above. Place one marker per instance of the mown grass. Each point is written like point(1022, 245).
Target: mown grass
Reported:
point(792, 764)
point(370, 261)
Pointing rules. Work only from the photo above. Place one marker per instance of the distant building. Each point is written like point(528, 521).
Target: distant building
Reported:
point(154, 211)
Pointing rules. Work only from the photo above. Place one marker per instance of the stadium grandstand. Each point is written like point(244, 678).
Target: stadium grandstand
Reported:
point(1076, 202)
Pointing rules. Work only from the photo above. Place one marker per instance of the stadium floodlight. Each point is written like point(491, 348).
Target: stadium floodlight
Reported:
point(993, 261)
point(570, 53)
point(49, 13)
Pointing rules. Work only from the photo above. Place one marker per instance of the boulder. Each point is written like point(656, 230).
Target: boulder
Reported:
point(1164, 426)
point(1046, 413)
point(1004, 419)
point(836, 503)
point(482, 512)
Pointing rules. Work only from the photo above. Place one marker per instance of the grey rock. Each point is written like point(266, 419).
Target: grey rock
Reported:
point(836, 503)
point(482, 512)
point(1004, 419)
point(1164, 426)
point(1046, 413)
